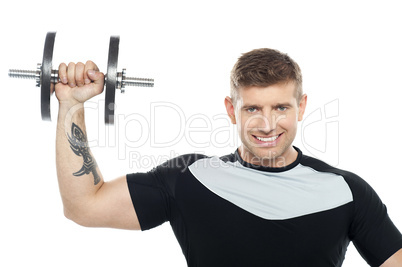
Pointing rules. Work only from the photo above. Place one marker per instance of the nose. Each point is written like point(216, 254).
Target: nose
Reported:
point(261, 123)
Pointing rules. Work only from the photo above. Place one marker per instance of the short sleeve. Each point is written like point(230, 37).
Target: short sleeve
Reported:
point(150, 198)
point(372, 231)
point(153, 193)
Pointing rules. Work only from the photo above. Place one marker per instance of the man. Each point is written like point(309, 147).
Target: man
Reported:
point(266, 204)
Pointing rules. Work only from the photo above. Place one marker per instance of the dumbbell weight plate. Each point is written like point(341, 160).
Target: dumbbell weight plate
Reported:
point(47, 87)
point(111, 78)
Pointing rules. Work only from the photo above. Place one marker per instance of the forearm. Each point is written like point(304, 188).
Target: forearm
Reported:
point(87, 199)
point(78, 174)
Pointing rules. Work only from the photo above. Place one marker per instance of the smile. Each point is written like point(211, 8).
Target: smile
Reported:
point(267, 139)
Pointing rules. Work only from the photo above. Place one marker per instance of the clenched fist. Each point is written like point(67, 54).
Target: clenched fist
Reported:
point(78, 82)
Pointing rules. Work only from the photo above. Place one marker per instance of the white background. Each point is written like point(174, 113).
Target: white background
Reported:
point(349, 52)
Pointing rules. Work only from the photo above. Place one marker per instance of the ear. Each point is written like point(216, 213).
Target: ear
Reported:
point(230, 109)
point(302, 107)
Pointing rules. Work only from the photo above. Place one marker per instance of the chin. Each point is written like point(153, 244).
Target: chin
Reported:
point(268, 154)
point(261, 154)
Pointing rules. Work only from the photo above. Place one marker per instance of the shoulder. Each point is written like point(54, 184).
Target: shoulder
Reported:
point(177, 166)
point(358, 186)
point(181, 162)
point(321, 166)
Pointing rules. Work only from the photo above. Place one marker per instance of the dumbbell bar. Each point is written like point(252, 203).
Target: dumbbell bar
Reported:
point(46, 77)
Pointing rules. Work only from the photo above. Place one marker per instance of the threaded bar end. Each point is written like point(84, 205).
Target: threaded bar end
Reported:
point(141, 82)
point(22, 74)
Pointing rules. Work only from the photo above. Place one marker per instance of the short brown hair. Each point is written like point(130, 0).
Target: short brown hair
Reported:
point(264, 67)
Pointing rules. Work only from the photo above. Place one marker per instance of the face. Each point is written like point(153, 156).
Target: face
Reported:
point(266, 120)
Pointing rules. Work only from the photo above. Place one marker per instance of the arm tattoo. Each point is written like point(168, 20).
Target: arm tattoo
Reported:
point(79, 145)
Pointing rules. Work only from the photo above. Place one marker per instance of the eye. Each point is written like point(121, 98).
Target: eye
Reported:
point(282, 108)
point(251, 110)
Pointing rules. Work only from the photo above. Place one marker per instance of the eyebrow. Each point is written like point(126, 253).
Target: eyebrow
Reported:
point(246, 106)
point(284, 104)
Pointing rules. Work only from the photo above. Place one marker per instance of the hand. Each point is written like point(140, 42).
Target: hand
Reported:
point(78, 82)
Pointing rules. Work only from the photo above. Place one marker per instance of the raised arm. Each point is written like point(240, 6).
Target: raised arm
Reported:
point(394, 261)
point(87, 199)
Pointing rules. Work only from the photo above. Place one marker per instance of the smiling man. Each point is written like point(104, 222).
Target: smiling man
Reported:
point(267, 119)
point(267, 101)
point(266, 204)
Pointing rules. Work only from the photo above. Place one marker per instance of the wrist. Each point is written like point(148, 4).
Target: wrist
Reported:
point(68, 103)
point(70, 110)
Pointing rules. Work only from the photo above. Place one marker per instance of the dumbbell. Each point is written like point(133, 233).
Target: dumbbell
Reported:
point(46, 77)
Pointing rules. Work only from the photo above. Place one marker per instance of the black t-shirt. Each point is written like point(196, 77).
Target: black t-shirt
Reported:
point(227, 212)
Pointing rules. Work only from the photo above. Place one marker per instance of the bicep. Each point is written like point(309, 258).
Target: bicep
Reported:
point(394, 261)
point(112, 207)
point(373, 233)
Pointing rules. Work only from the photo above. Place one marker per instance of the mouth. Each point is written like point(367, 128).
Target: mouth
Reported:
point(267, 141)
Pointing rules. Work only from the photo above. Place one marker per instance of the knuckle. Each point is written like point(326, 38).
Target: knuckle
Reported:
point(91, 65)
point(79, 80)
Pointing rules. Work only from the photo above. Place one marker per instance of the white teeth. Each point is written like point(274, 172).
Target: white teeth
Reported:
point(268, 139)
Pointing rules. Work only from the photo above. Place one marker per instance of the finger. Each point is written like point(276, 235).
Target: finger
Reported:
point(79, 74)
point(63, 73)
point(71, 74)
point(95, 75)
point(89, 65)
